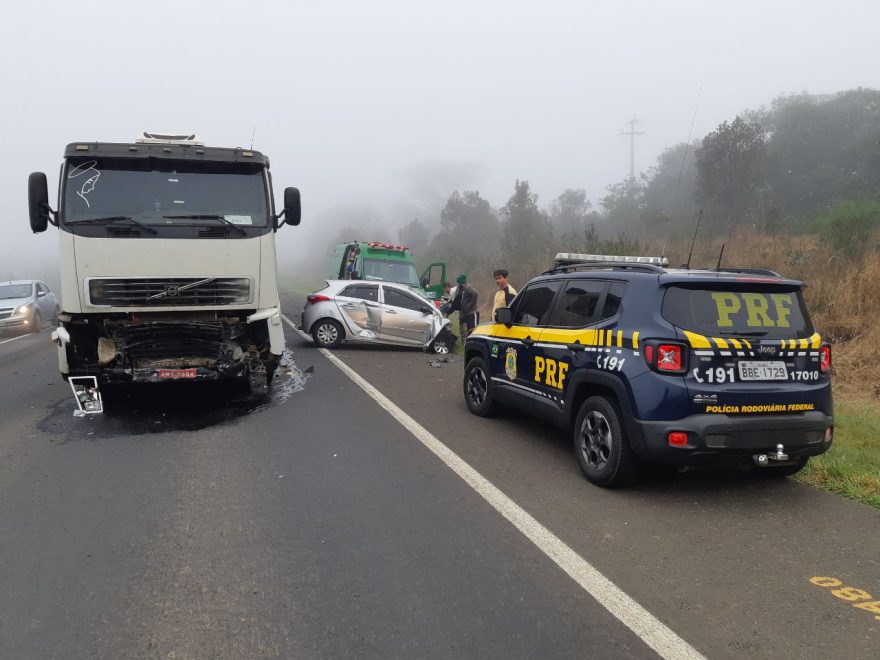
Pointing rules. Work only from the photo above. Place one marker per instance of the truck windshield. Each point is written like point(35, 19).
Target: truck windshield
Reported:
point(151, 190)
point(403, 272)
point(8, 291)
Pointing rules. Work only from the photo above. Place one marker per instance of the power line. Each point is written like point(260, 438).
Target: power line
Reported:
point(632, 132)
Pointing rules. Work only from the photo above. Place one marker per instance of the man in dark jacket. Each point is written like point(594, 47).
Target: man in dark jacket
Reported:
point(465, 303)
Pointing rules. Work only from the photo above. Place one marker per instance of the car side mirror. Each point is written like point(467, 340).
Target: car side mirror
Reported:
point(426, 310)
point(40, 294)
point(504, 315)
point(292, 207)
point(38, 202)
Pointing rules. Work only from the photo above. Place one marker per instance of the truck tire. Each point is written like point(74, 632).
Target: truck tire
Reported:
point(601, 445)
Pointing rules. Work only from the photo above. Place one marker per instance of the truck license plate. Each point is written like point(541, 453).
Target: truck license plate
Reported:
point(177, 373)
point(753, 370)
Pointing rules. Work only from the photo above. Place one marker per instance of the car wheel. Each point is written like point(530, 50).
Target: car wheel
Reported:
point(601, 445)
point(327, 333)
point(478, 388)
point(443, 343)
point(782, 470)
point(36, 321)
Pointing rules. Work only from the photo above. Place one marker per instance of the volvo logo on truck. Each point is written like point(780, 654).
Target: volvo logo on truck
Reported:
point(167, 256)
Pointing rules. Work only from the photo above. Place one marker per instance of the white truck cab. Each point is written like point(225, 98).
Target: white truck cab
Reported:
point(167, 261)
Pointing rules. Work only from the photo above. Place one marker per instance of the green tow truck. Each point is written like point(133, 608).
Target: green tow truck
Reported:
point(386, 262)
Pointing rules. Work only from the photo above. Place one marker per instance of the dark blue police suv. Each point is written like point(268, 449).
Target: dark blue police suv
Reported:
point(642, 362)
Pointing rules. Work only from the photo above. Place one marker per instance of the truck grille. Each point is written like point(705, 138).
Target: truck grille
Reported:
point(170, 292)
point(148, 341)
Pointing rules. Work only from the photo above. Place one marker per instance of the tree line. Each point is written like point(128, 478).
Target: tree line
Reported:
point(805, 164)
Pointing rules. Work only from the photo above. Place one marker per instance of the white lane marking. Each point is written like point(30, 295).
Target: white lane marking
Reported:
point(6, 341)
point(651, 630)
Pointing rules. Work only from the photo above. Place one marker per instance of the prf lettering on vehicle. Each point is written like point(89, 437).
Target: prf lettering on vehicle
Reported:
point(760, 310)
point(552, 371)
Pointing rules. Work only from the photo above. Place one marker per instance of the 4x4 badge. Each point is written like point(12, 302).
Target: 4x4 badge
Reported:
point(510, 363)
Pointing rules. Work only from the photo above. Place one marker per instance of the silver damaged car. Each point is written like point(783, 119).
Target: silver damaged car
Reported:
point(375, 313)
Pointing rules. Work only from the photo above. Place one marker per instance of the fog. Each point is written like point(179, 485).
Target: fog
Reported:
point(378, 111)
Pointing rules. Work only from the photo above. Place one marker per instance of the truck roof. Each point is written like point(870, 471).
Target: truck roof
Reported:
point(166, 151)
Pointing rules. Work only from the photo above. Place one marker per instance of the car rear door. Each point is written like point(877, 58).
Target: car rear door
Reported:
point(568, 341)
point(359, 307)
point(406, 318)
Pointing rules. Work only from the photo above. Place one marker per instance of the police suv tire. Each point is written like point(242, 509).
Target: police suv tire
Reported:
point(327, 333)
point(778, 471)
point(600, 443)
point(478, 388)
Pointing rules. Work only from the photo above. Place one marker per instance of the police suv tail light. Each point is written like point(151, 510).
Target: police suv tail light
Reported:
point(313, 298)
point(677, 439)
point(825, 358)
point(666, 357)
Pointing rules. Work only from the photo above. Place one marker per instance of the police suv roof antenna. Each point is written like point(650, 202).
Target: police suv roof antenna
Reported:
point(693, 242)
point(252, 136)
point(718, 267)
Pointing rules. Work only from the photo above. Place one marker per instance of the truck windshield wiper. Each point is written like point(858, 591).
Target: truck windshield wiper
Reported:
point(114, 218)
point(754, 333)
point(207, 217)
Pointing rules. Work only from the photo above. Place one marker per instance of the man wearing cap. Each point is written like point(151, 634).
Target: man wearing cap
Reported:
point(465, 303)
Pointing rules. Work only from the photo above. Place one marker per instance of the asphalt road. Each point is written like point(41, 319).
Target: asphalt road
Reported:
point(184, 523)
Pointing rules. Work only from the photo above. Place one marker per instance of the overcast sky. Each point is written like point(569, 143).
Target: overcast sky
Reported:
point(394, 104)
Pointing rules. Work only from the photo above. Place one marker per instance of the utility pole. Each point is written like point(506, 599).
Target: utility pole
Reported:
point(632, 132)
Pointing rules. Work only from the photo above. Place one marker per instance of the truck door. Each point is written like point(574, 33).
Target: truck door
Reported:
point(404, 318)
point(433, 279)
point(359, 307)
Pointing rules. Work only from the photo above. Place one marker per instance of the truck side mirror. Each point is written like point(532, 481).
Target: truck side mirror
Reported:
point(292, 206)
point(38, 201)
point(504, 315)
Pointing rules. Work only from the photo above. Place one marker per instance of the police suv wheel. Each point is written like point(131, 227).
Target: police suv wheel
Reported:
point(478, 388)
point(327, 333)
point(601, 445)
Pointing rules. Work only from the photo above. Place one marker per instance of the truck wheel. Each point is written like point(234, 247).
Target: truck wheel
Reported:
point(478, 389)
point(327, 333)
point(601, 445)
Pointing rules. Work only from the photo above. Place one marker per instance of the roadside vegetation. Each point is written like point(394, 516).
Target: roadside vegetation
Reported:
point(852, 466)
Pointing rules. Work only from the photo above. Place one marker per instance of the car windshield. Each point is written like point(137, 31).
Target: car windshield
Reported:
point(767, 312)
point(150, 191)
point(403, 272)
point(8, 291)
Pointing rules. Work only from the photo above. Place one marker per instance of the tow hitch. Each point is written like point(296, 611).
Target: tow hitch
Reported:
point(763, 460)
point(87, 396)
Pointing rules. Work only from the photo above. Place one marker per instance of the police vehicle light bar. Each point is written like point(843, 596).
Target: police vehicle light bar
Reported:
point(388, 246)
point(565, 258)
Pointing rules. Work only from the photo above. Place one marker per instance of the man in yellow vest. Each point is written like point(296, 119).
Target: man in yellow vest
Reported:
point(505, 293)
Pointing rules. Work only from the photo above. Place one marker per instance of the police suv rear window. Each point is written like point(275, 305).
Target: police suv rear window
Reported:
point(768, 312)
